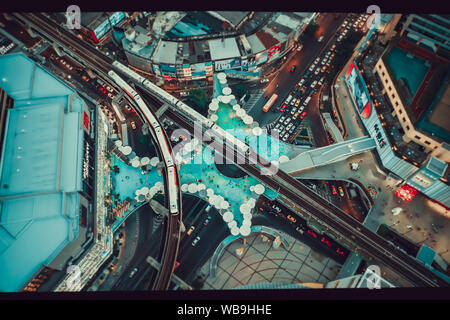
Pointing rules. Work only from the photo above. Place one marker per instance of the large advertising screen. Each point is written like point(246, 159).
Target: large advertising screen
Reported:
point(262, 57)
point(105, 26)
point(358, 90)
point(421, 180)
point(222, 64)
point(198, 70)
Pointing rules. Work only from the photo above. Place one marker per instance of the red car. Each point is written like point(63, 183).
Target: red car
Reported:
point(333, 189)
point(176, 266)
point(303, 115)
point(283, 107)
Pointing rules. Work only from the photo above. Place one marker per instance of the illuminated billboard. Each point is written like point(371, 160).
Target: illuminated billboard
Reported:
point(105, 26)
point(198, 70)
point(358, 90)
point(262, 57)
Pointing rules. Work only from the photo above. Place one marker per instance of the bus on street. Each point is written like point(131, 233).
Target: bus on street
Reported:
point(270, 102)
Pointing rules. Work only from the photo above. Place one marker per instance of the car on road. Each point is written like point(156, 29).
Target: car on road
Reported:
point(341, 191)
point(177, 264)
point(293, 68)
point(305, 103)
point(133, 272)
point(303, 115)
point(207, 220)
point(299, 230)
point(333, 189)
point(191, 229)
point(196, 240)
point(291, 218)
point(288, 99)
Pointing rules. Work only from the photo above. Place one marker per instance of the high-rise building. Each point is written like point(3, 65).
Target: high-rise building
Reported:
point(431, 31)
point(47, 173)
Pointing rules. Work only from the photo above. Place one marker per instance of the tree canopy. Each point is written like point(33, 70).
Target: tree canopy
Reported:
point(198, 99)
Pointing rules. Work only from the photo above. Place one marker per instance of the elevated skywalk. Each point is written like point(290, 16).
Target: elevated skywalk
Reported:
point(329, 154)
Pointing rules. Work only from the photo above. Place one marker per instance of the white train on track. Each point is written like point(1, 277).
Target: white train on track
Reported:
point(187, 111)
point(160, 137)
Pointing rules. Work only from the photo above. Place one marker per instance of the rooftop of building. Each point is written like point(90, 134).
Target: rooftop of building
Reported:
point(90, 18)
point(40, 170)
point(435, 120)
point(421, 78)
point(141, 44)
point(223, 48)
point(233, 17)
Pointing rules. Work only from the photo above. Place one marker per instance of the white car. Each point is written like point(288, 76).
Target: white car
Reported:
point(317, 71)
point(313, 84)
point(320, 39)
point(312, 67)
point(294, 110)
point(301, 82)
point(196, 240)
point(133, 272)
point(287, 121)
point(317, 60)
